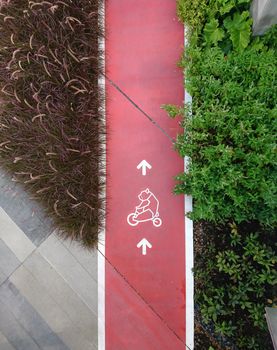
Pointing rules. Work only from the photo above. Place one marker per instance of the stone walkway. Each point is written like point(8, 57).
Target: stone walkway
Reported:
point(48, 287)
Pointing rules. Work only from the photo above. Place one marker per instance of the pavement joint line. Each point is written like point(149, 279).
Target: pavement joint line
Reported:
point(20, 197)
point(79, 261)
point(152, 120)
point(145, 301)
point(20, 265)
point(53, 266)
point(53, 299)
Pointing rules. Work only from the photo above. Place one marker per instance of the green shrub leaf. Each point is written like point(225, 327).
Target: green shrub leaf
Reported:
point(239, 28)
point(225, 6)
point(212, 33)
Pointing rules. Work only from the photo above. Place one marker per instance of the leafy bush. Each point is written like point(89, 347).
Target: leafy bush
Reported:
point(51, 123)
point(192, 12)
point(236, 275)
point(231, 138)
point(230, 133)
point(226, 22)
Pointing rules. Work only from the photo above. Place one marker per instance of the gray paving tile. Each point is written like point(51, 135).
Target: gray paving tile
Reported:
point(77, 341)
point(14, 332)
point(30, 320)
point(37, 231)
point(52, 299)
point(8, 261)
point(88, 259)
point(4, 343)
point(54, 285)
point(5, 179)
point(39, 297)
point(23, 215)
point(14, 237)
point(26, 213)
point(75, 329)
point(2, 275)
point(71, 270)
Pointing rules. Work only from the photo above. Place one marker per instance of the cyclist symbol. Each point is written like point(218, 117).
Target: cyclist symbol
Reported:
point(147, 210)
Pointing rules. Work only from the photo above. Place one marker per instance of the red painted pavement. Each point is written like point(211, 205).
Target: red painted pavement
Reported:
point(145, 310)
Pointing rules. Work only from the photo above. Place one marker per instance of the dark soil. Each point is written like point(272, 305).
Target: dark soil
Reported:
point(203, 338)
point(206, 234)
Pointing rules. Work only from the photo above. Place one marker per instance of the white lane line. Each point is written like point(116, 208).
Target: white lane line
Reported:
point(189, 252)
point(101, 245)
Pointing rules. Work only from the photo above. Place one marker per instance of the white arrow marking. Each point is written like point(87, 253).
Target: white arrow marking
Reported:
point(144, 243)
point(144, 165)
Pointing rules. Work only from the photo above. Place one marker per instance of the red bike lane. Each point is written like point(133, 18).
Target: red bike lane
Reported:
point(145, 291)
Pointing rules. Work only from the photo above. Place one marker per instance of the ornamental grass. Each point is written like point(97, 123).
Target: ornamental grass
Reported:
point(51, 122)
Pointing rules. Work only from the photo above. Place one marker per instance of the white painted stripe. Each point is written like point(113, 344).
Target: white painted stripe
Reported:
point(189, 253)
point(101, 293)
point(189, 275)
point(14, 237)
point(101, 244)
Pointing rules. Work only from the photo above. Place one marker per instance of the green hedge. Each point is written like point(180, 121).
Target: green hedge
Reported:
point(231, 135)
point(231, 138)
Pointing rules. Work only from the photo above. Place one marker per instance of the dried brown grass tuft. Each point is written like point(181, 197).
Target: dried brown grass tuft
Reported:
point(51, 124)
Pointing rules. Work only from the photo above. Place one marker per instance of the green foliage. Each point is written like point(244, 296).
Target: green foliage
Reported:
point(224, 21)
point(231, 137)
point(192, 12)
point(225, 6)
point(238, 280)
point(220, 8)
point(239, 28)
point(270, 38)
point(172, 110)
point(212, 33)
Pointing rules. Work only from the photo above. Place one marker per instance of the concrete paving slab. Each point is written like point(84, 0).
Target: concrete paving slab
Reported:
point(29, 318)
point(68, 300)
point(8, 261)
point(37, 231)
point(26, 219)
point(14, 237)
point(4, 343)
point(78, 342)
point(26, 213)
point(71, 270)
point(46, 303)
point(88, 259)
point(2, 276)
point(39, 297)
point(14, 332)
point(49, 308)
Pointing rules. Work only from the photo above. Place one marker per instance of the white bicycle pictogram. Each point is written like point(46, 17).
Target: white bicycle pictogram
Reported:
point(147, 210)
